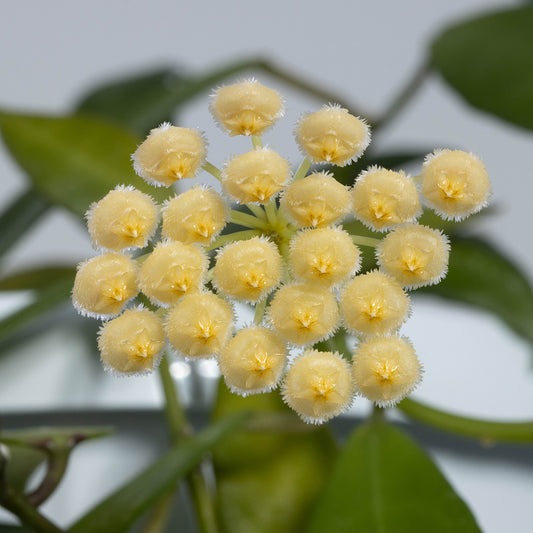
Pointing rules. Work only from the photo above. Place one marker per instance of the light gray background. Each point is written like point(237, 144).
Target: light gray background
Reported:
point(51, 52)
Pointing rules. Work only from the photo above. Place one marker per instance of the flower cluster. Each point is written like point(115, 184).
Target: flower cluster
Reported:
point(293, 260)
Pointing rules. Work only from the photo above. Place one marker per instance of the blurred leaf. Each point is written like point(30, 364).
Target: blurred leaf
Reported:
point(45, 437)
point(384, 483)
point(480, 275)
point(38, 278)
point(73, 161)
point(489, 60)
point(4, 528)
point(268, 480)
point(120, 510)
point(139, 102)
point(22, 462)
point(19, 217)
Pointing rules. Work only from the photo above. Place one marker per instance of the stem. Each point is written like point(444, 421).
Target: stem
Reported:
point(365, 241)
point(305, 165)
point(257, 210)
point(231, 237)
point(249, 221)
point(260, 311)
point(56, 466)
point(214, 171)
point(271, 211)
point(257, 142)
point(159, 517)
point(378, 414)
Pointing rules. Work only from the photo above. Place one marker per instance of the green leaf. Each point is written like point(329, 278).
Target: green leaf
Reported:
point(120, 510)
point(268, 479)
point(73, 161)
point(38, 279)
point(139, 102)
point(481, 276)
point(384, 483)
point(19, 217)
point(489, 61)
point(23, 460)
point(45, 437)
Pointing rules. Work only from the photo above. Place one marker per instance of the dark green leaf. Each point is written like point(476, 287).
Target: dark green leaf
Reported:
point(53, 437)
point(489, 60)
point(38, 279)
point(268, 480)
point(19, 217)
point(480, 275)
point(23, 460)
point(73, 161)
point(120, 510)
point(139, 102)
point(384, 483)
point(15, 529)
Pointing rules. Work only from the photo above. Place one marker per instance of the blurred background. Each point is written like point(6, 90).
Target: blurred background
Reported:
point(53, 53)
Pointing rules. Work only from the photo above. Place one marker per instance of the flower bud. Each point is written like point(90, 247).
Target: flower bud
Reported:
point(325, 256)
point(373, 304)
point(386, 369)
point(253, 361)
point(454, 183)
point(303, 313)
point(248, 270)
point(172, 270)
point(199, 324)
point(332, 135)
point(104, 284)
point(415, 255)
point(317, 200)
point(246, 107)
point(383, 198)
point(169, 154)
point(197, 215)
point(255, 176)
point(132, 343)
point(318, 386)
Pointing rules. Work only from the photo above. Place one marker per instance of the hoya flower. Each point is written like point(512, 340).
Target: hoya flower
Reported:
point(318, 386)
point(104, 284)
point(373, 304)
point(317, 200)
point(383, 198)
point(386, 369)
point(124, 218)
point(454, 183)
point(255, 176)
point(248, 270)
point(132, 343)
point(169, 154)
point(303, 313)
point(325, 256)
point(332, 135)
point(415, 255)
point(199, 324)
point(197, 215)
point(246, 107)
point(172, 270)
point(253, 361)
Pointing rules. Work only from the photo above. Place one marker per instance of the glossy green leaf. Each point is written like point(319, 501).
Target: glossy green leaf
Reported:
point(480, 275)
point(20, 216)
point(268, 479)
point(384, 483)
point(73, 161)
point(120, 510)
point(139, 102)
point(38, 279)
point(489, 61)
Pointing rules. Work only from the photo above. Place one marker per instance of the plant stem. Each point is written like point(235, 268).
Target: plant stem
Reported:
point(271, 211)
point(248, 221)
point(214, 171)
point(257, 142)
point(257, 210)
point(378, 414)
point(260, 311)
point(365, 241)
point(301, 171)
point(158, 518)
point(230, 237)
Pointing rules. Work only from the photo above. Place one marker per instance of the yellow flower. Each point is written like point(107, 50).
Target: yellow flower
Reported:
point(373, 304)
point(104, 284)
point(332, 135)
point(384, 198)
point(131, 344)
point(318, 386)
point(317, 200)
point(169, 154)
point(197, 215)
point(303, 313)
point(124, 218)
point(253, 361)
point(386, 369)
point(415, 255)
point(255, 176)
point(248, 270)
point(199, 324)
point(454, 183)
point(246, 107)
point(325, 256)
point(172, 270)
